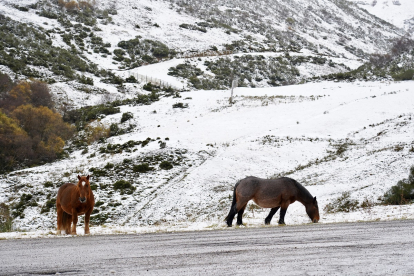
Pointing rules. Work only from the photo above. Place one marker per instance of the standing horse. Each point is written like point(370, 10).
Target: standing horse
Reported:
point(271, 193)
point(72, 201)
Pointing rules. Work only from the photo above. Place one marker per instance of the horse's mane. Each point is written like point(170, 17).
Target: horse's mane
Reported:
point(302, 190)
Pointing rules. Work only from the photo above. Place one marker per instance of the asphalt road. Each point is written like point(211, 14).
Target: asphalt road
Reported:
point(374, 248)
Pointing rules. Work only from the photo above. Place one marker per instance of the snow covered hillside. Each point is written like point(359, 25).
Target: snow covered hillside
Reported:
point(331, 137)
point(173, 162)
point(103, 36)
point(397, 12)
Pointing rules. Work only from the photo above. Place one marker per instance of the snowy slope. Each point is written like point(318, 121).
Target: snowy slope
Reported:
point(399, 13)
point(292, 131)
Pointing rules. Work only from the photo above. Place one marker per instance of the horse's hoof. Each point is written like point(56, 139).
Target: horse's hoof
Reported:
point(282, 224)
point(58, 232)
point(73, 233)
point(267, 222)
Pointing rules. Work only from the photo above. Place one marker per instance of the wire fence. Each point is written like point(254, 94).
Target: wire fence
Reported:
point(165, 84)
point(205, 54)
point(153, 80)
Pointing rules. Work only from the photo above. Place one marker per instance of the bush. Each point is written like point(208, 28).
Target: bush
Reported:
point(31, 132)
point(406, 75)
point(142, 168)
point(99, 219)
point(96, 172)
point(126, 116)
point(150, 87)
point(25, 200)
point(165, 165)
point(48, 184)
point(403, 192)
point(114, 129)
point(131, 79)
point(342, 204)
point(180, 105)
point(50, 204)
point(124, 186)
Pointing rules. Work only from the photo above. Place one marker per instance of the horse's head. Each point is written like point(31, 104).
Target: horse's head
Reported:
point(312, 210)
point(84, 188)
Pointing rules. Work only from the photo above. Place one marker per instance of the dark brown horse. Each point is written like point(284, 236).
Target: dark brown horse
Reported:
point(271, 193)
point(72, 201)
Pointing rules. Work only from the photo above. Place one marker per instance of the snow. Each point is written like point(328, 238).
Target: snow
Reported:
point(398, 15)
point(267, 132)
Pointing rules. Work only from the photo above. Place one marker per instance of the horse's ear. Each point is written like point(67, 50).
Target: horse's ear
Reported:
point(314, 199)
point(78, 176)
point(87, 177)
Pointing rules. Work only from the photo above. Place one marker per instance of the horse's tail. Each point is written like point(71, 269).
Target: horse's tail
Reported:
point(66, 220)
point(234, 199)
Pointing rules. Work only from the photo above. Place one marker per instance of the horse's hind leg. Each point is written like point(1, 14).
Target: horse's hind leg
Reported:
point(240, 215)
point(236, 209)
point(230, 216)
point(271, 214)
point(68, 222)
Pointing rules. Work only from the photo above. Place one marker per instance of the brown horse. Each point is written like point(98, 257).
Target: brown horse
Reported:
point(271, 193)
point(72, 201)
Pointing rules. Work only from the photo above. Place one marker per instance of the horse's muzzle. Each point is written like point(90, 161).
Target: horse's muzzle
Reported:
point(315, 221)
point(82, 199)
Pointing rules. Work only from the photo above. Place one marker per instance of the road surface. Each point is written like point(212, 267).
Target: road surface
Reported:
point(369, 248)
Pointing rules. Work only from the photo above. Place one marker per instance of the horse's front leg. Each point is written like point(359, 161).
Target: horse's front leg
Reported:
point(87, 217)
point(74, 221)
point(271, 214)
point(282, 216)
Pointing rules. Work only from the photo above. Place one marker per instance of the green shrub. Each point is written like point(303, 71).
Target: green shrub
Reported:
point(406, 75)
point(50, 204)
point(149, 87)
point(180, 105)
point(342, 204)
point(142, 168)
point(48, 184)
point(124, 187)
point(98, 172)
point(25, 201)
point(99, 219)
point(114, 129)
point(165, 165)
point(85, 80)
point(402, 192)
point(99, 203)
point(131, 79)
point(126, 116)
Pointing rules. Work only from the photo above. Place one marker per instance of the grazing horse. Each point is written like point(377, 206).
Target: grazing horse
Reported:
point(271, 193)
point(72, 201)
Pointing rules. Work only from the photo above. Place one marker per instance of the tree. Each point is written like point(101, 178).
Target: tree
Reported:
point(18, 95)
point(40, 94)
point(15, 144)
point(46, 129)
